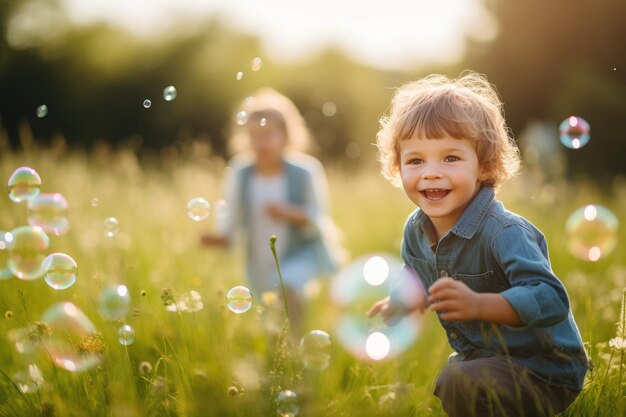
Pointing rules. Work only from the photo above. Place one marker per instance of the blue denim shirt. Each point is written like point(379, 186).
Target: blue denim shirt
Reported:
point(493, 250)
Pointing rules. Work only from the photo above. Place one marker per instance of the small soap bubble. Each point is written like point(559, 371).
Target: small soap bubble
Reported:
point(6, 240)
point(27, 252)
point(287, 404)
point(29, 380)
point(114, 302)
point(241, 118)
point(591, 232)
point(256, 64)
point(126, 335)
point(147, 103)
point(60, 270)
point(574, 132)
point(42, 111)
point(239, 299)
point(316, 349)
point(94, 202)
point(329, 109)
point(49, 212)
point(169, 93)
point(239, 75)
point(263, 122)
point(198, 209)
point(377, 346)
point(24, 184)
point(73, 342)
point(111, 226)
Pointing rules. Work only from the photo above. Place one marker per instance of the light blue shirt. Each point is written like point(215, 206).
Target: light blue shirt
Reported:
point(493, 250)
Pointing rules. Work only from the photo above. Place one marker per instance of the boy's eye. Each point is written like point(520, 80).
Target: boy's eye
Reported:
point(451, 158)
point(414, 161)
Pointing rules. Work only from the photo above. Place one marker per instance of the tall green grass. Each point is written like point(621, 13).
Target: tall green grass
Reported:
point(213, 362)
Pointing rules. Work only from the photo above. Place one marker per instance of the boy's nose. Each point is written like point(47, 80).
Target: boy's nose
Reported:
point(431, 171)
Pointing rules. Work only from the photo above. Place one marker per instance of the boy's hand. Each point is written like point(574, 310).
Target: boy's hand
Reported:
point(390, 312)
point(454, 300)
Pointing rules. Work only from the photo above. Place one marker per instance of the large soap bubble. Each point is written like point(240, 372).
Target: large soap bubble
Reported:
point(591, 232)
point(49, 212)
point(27, 252)
point(356, 288)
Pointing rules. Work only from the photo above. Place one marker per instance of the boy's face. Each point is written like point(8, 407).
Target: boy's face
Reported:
point(267, 138)
point(441, 176)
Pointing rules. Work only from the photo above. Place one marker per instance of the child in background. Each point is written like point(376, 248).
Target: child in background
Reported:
point(271, 189)
point(517, 349)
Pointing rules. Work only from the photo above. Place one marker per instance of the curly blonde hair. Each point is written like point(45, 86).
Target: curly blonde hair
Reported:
point(467, 107)
point(270, 104)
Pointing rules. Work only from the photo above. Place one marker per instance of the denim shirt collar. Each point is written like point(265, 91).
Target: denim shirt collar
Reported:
point(471, 218)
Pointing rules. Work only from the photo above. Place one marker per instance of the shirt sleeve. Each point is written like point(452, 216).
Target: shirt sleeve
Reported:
point(537, 295)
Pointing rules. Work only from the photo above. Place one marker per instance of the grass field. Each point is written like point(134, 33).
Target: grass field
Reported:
point(216, 363)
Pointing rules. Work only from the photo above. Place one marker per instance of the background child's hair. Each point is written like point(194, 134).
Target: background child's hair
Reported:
point(467, 107)
point(270, 104)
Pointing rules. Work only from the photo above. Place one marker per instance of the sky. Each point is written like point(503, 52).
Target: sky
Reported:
point(392, 34)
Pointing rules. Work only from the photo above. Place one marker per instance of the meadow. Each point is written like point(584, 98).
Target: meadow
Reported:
point(212, 362)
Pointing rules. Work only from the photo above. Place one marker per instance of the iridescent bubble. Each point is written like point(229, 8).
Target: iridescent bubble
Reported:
point(239, 75)
point(126, 335)
point(377, 346)
point(329, 109)
point(24, 184)
point(591, 232)
point(198, 209)
point(6, 239)
point(239, 299)
point(27, 251)
point(42, 111)
point(94, 202)
point(147, 103)
point(263, 122)
point(256, 64)
point(242, 118)
point(27, 339)
point(169, 93)
point(29, 381)
point(114, 302)
point(287, 404)
point(60, 270)
point(358, 286)
point(49, 212)
point(111, 226)
point(316, 349)
point(574, 132)
point(73, 343)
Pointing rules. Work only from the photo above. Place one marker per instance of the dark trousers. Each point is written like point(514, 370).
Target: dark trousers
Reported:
point(494, 387)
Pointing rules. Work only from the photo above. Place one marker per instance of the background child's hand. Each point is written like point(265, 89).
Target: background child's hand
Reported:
point(209, 239)
point(454, 300)
point(390, 312)
point(287, 213)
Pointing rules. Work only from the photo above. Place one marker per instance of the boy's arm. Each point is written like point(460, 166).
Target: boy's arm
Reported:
point(455, 301)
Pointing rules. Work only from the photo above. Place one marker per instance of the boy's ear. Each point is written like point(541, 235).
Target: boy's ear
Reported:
point(484, 174)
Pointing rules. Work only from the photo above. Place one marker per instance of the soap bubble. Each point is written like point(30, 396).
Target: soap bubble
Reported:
point(42, 111)
point(287, 404)
point(29, 380)
point(263, 122)
point(169, 93)
point(111, 226)
point(27, 339)
point(357, 287)
point(316, 349)
point(126, 335)
point(329, 109)
point(574, 132)
point(239, 299)
point(24, 184)
point(591, 232)
point(147, 103)
point(256, 64)
point(114, 302)
point(198, 209)
point(73, 343)
point(241, 118)
point(94, 202)
point(6, 239)
point(49, 212)
point(60, 270)
point(27, 251)
point(239, 75)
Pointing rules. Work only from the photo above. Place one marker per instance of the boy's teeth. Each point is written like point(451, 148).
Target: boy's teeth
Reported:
point(435, 194)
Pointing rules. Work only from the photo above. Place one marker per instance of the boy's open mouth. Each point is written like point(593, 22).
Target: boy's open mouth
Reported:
point(435, 193)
